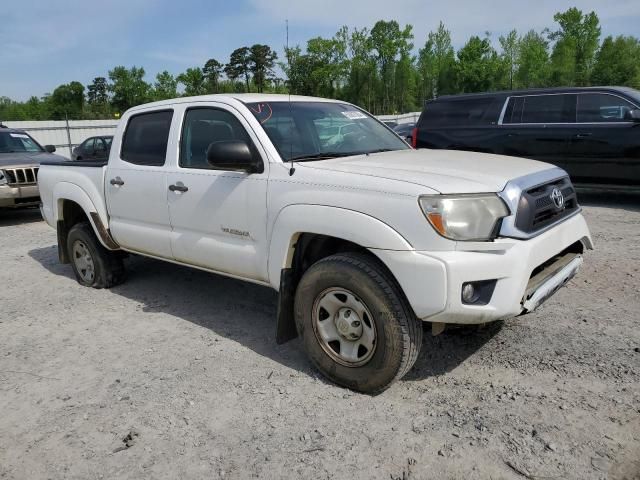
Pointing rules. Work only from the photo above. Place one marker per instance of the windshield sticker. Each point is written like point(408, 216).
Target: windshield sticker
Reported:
point(262, 112)
point(354, 114)
point(19, 135)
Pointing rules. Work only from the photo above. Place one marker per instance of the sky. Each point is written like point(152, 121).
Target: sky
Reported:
point(44, 43)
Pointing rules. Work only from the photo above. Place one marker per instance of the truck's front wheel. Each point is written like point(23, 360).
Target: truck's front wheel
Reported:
point(93, 265)
point(355, 323)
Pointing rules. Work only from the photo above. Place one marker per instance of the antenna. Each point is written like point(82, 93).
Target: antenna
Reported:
point(292, 169)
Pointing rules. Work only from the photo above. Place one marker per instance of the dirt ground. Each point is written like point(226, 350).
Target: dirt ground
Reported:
point(176, 374)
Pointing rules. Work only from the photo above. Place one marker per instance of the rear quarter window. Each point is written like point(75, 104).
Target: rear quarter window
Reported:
point(462, 112)
point(146, 137)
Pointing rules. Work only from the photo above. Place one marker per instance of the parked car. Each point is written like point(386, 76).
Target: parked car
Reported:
point(20, 157)
point(364, 239)
point(593, 133)
point(405, 131)
point(93, 149)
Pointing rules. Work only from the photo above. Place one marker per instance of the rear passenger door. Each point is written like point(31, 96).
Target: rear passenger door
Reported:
point(605, 144)
point(539, 127)
point(136, 185)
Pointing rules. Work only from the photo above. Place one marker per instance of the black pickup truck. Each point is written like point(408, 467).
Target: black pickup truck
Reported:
point(593, 133)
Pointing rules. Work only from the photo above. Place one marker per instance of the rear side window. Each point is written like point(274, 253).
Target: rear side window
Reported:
point(600, 107)
point(472, 111)
point(548, 109)
point(145, 140)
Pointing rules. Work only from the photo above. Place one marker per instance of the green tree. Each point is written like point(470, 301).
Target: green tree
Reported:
point(563, 63)
point(617, 62)
point(388, 40)
point(510, 55)
point(578, 36)
point(212, 72)
point(97, 92)
point(128, 87)
point(437, 64)
point(239, 65)
point(165, 86)
point(261, 62)
point(477, 65)
point(194, 82)
point(533, 64)
point(67, 101)
point(361, 64)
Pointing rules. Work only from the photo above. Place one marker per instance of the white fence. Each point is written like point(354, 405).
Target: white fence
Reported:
point(66, 135)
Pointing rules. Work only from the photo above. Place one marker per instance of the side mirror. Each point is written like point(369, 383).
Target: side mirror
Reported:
point(233, 155)
point(634, 115)
point(50, 148)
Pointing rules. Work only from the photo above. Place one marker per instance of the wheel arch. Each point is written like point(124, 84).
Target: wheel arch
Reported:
point(71, 206)
point(295, 225)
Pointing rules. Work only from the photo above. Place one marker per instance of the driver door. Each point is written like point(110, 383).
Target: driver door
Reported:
point(218, 217)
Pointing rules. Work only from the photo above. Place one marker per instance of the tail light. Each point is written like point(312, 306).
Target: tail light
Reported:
point(414, 137)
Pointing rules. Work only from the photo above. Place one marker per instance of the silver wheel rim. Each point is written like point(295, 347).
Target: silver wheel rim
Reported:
point(344, 327)
point(83, 261)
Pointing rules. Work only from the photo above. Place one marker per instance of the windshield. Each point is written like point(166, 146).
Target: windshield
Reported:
point(316, 130)
point(11, 142)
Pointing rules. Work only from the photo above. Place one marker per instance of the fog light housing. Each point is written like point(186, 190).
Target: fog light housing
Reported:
point(468, 292)
point(478, 293)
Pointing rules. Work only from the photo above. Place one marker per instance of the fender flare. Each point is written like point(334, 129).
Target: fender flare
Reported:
point(65, 191)
point(350, 225)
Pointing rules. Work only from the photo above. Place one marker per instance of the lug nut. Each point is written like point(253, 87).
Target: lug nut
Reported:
point(347, 314)
point(355, 324)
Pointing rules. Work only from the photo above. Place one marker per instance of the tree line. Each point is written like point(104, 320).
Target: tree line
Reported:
point(377, 68)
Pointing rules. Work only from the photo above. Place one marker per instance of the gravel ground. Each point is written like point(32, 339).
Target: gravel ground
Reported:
point(176, 374)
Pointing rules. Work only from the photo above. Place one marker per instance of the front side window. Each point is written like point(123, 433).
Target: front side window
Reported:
point(87, 146)
point(548, 109)
point(14, 142)
point(319, 130)
point(204, 126)
point(601, 107)
point(145, 140)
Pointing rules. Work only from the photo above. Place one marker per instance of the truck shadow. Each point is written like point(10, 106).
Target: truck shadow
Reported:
point(246, 312)
point(12, 217)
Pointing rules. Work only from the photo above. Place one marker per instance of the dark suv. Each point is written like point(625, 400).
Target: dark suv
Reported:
point(593, 133)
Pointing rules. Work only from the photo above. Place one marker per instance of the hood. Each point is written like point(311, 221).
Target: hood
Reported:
point(446, 171)
point(19, 159)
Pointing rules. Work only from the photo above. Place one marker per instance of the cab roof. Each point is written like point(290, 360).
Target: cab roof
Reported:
point(240, 97)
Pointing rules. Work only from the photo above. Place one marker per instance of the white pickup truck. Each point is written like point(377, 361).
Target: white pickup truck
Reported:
point(364, 238)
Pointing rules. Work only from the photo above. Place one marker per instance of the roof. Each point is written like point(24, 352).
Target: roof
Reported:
point(536, 91)
point(241, 97)
point(4, 128)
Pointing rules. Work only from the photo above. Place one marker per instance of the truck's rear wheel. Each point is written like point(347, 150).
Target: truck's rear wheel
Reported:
point(355, 323)
point(93, 265)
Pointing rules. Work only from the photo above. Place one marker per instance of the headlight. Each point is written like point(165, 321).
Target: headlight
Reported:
point(464, 217)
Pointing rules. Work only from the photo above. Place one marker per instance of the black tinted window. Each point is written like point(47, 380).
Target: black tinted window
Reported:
point(472, 111)
point(548, 109)
point(204, 126)
point(600, 107)
point(145, 140)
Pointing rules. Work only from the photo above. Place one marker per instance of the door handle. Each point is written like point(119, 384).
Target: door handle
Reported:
point(178, 188)
point(116, 181)
point(583, 135)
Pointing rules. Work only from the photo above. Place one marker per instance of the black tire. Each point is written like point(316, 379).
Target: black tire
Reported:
point(398, 331)
point(107, 267)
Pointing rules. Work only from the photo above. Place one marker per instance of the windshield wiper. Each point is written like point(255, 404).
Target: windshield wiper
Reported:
point(319, 156)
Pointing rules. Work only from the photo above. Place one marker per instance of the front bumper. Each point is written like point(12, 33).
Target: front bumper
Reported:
point(14, 196)
point(432, 281)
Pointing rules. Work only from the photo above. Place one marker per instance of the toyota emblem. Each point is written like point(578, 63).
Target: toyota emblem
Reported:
point(557, 198)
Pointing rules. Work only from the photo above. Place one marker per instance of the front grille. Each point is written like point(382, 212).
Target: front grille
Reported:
point(21, 175)
point(537, 208)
